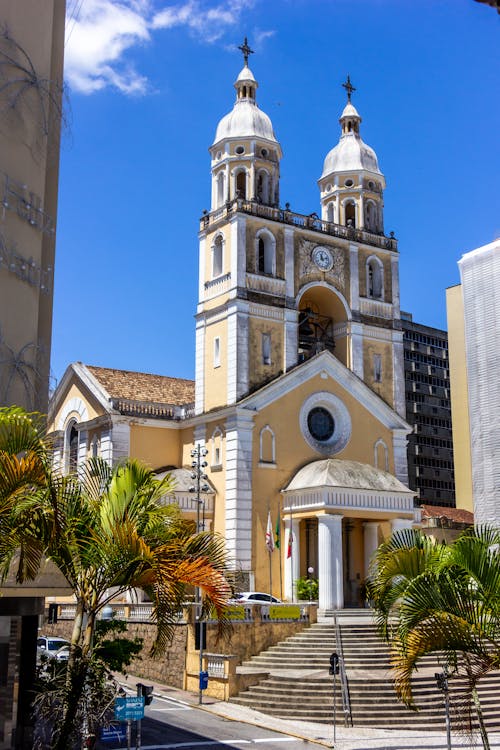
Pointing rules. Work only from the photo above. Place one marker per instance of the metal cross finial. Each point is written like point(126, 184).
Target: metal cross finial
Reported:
point(349, 88)
point(246, 51)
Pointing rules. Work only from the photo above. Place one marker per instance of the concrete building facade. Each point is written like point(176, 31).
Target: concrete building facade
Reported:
point(31, 93)
point(474, 336)
point(428, 410)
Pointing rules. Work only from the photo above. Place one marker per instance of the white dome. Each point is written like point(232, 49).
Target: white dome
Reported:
point(336, 472)
point(245, 120)
point(351, 154)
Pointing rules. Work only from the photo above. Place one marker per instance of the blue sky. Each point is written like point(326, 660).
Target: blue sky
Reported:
point(149, 80)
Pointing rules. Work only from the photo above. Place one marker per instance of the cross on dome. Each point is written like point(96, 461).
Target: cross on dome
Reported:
point(246, 51)
point(347, 85)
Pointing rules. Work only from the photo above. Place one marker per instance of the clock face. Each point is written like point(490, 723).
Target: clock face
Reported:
point(322, 258)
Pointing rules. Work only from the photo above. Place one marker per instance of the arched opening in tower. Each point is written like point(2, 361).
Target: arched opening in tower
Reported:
point(241, 184)
point(350, 214)
point(321, 314)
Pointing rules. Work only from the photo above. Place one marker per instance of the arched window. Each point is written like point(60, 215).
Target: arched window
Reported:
point(265, 252)
point(220, 189)
point(263, 187)
point(350, 214)
point(267, 445)
point(241, 184)
point(217, 447)
point(371, 222)
point(71, 446)
point(374, 278)
point(330, 212)
point(217, 256)
point(381, 455)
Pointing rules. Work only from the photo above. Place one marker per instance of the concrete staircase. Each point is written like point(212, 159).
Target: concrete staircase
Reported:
point(298, 685)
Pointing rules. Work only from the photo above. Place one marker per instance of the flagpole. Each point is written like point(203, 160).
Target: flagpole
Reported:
point(290, 542)
point(270, 559)
point(280, 550)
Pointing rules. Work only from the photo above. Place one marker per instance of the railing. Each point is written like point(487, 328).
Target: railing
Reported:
point(219, 285)
point(266, 284)
point(151, 409)
point(216, 665)
point(344, 685)
point(284, 216)
point(376, 308)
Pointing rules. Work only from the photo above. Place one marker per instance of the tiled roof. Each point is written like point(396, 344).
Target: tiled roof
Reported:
point(457, 515)
point(142, 386)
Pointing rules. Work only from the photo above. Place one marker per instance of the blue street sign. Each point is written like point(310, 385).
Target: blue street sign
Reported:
point(130, 708)
point(113, 733)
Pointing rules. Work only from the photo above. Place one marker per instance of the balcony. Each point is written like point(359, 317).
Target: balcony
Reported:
point(265, 284)
point(284, 216)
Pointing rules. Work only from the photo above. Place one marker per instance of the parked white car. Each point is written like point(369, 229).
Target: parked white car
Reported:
point(52, 647)
point(255, 597)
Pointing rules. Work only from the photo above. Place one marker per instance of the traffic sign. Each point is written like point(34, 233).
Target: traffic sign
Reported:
point(113, 733)
point(130, 708)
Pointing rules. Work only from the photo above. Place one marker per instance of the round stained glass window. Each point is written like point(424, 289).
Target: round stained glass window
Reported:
point(321, 424)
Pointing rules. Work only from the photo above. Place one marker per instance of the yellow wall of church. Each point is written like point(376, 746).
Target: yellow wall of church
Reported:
point(155, 446)
point(292, 452)
point(218, 477)
point(384, 389)
point(258, 371)
point(225, 231)
point(216, 377)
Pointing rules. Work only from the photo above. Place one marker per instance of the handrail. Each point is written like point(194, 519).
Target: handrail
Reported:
point(344, 685)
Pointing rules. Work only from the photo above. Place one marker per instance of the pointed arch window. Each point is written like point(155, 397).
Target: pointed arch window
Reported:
point(71, 446)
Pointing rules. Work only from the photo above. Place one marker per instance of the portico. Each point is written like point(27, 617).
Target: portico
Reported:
point(337, 511)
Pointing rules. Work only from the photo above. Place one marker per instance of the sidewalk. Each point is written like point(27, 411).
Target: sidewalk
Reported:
point(347, 738)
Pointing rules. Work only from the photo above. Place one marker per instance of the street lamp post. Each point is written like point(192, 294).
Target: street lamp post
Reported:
point(198, 466)
point(442, 683)
point(310, 572)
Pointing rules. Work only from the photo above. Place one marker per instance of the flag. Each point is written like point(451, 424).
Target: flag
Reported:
point(269, 534)
point(290, 542)
point(277, 533)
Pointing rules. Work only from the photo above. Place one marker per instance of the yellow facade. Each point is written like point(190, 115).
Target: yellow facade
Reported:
point(459, 399)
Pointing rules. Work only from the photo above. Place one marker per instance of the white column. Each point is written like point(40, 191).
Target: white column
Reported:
point(200, 366)
point(370, 538)
point(401, 523)
point(291, 339)
point(330, 563)
point(238, 489)
point(292, 564)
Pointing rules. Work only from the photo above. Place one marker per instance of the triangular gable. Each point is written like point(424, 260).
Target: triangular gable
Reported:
point(77, 372)
point(325, 362)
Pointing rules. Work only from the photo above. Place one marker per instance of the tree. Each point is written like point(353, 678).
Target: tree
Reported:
point(442, 599)
point(107, 531)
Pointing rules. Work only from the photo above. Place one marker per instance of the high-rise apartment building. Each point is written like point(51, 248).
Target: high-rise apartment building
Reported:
point(428, 410)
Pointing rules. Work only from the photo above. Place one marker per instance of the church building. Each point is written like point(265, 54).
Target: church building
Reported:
point(299, 393)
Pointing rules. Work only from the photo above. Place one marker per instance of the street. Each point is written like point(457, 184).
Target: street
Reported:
point(171, 724)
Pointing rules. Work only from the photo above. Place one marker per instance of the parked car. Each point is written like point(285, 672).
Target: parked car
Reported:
point(52, 648)
point(255, 597)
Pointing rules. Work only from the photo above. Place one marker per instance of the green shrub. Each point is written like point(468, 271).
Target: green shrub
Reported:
point(307, 589)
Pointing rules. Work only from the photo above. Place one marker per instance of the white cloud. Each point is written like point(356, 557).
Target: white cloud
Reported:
point(100, 34)
point(97, 39)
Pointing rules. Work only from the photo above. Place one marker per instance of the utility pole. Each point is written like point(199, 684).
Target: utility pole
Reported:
point(198, 466)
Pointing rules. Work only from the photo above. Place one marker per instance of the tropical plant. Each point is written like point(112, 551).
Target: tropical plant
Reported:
point(432, 598)
point(107, 531)
point(307, 588)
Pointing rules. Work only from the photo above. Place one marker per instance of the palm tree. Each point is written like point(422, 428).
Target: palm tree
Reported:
point(107, 531)
point(444, 599)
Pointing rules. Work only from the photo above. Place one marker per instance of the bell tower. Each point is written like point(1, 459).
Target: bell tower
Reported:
point(352, 184)
point(241, 256)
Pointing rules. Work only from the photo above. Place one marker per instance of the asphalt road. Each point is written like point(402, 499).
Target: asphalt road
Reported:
point(172, 725)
